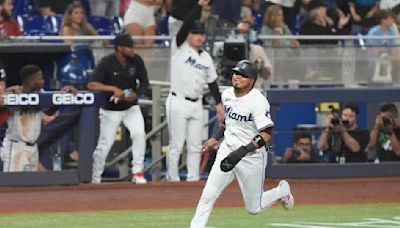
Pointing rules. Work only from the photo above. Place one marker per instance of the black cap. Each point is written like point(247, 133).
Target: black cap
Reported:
point(197, 27)
point(246, 68)
point(316, 4)
point(124, 40)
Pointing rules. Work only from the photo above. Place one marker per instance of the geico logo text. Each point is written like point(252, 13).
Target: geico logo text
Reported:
point(21, 99)
point(69, 98)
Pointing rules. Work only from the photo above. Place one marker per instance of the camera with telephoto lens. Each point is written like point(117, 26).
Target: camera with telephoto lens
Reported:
point(387, 122)
point(336, 120)
point(295, 153)
point(335, 116)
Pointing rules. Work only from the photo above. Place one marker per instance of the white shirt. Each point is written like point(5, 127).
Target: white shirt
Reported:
point(388, 4)
point(285, 3)
point(244, 117)
point(190, 70)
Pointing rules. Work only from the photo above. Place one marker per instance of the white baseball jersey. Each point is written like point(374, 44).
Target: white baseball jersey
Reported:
point(24, 126)
point(190, 70)
point(244, 117)
point(20, 152)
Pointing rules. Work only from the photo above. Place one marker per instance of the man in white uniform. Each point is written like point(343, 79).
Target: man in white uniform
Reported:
point(242, 154)
point(20, 151)
point(191, 69)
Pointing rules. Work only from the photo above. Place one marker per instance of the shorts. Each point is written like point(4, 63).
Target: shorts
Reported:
point(140, 14)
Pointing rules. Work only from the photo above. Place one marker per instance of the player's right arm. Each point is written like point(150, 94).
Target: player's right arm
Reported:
point(189, 19)
point(99, 75)
point(211, 142)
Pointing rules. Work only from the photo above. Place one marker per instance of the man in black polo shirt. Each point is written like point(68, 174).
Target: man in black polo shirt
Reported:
point(116, 75)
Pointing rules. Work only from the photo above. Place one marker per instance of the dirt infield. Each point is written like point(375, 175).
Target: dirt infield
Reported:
point(122, 196)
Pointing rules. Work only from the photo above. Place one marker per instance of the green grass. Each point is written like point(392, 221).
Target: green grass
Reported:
point(300, 216)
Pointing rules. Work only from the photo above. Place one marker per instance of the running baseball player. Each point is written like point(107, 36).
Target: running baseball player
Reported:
point(191, 69)
point(242, 153)
point(116, 75)
point(20, 151)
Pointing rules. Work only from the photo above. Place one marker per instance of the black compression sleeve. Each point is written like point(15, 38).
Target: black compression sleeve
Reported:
point(214, 90)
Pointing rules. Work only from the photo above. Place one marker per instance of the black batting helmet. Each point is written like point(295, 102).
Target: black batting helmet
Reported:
point(246, 68)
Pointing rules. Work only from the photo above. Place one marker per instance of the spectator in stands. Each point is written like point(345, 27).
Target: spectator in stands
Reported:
point(139, 20)
point(290, 10)
point(8, 25)
point(179, 10)
point(117, 75)
point(228, 12)
point(382, 49)
point(256, 55)
point(319, 24)
point(385, 135)
point(74, 23)
point(51, 7)
point(343, 138)
point(246, 12)
point(362, 15)
point(20, 152)
point(302, 151)
point(107, 8)
point(274, 24)
point(384, 28)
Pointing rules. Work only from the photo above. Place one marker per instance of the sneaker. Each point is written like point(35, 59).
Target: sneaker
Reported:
point(287, 200)
point(138, 178)
point(96, 180)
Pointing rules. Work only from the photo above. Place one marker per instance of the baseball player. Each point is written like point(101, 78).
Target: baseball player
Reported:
point(191, 69)
point(242, 154)
point(20, 151)
point(116, 75)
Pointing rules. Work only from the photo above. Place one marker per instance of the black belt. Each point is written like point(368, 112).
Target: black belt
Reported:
point(187, 98)
point(26, 143)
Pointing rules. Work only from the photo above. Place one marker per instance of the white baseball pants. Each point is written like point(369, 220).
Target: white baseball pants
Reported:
point(185, 123)
point(17, 156)
point(133, 120)
point(250, 173)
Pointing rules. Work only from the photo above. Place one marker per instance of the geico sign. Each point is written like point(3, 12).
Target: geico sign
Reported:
point(70, 99)
point(21, 99)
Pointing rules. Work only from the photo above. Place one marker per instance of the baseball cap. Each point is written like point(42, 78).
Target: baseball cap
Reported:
point(197, 27)
point(124, 40)
point(316, 4)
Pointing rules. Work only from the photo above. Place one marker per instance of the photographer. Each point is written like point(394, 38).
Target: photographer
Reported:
point(302, 151)
point(386, 133)
point(343, 138)
point(256, 54)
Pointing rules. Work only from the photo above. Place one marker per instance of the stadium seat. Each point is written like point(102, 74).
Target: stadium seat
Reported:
point(21, 7)
point(258, 22)
point(38, 25)
point(118, 24)
point(103, 25)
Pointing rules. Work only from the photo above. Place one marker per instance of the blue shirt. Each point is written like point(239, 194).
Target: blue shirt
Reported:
point(376, 31)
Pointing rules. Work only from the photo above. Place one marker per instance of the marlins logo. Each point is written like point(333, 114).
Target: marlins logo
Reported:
point(192, 61)
point(229, 113)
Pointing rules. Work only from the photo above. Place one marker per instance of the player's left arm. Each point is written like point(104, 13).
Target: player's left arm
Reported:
point(260, 140)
